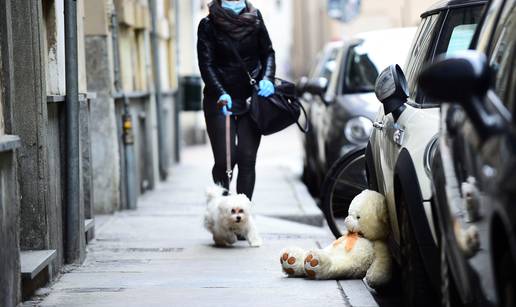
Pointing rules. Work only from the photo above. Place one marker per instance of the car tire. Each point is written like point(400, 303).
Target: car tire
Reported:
point(416, 286)
point(449, 293)
point(310, 180)
point(330, 184)
point(506, 280)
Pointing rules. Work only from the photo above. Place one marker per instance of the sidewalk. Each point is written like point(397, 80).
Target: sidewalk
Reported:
point(160, 255)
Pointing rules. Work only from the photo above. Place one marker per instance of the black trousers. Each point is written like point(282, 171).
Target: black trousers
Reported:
point(245, 140)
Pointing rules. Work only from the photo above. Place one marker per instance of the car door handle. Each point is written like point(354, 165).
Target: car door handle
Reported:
point(378, 125)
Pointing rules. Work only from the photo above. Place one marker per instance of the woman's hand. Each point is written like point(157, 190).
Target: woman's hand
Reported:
point(266, 88)
point(225, 103)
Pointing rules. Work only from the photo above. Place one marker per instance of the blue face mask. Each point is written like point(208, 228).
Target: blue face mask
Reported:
point(236, 6)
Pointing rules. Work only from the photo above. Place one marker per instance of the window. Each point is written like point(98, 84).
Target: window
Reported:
point(455, 35)
point(420, 53)
point(329, 65)
point(458, 30)
point(373, 53)
point(502, 59)
point(361, 72)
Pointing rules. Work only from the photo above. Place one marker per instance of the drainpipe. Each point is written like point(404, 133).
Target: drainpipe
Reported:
point(127, 123)
point(177, 97)
point(72, 185)
point(163, 169)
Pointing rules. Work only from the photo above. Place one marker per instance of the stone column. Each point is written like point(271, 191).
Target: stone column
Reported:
point(104, 144)
point(30, 121)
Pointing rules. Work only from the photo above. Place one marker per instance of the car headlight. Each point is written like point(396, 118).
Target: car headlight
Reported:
point(358, 130)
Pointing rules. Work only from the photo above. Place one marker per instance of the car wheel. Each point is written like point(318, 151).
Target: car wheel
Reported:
point(507, 280)
point(310, 180)
point(416, 286)
point(345, 180)
point(370, 170)
point(449, 292)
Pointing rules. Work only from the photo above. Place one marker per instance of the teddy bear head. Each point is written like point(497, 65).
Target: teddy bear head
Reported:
point(368, 216)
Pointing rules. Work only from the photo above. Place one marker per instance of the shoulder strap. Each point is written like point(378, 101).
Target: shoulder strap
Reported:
point(252, 81)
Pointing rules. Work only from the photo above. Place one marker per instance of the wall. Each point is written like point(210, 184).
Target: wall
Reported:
point(386, 14)
point(100, 80)
point(9, 236)
point(279, 15)
point(313, 28)
point(2, 127)
point(137, 94)
point(9, 205)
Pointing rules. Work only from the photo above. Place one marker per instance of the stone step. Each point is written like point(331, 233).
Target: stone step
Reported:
point(89, 229)
point(33, 262)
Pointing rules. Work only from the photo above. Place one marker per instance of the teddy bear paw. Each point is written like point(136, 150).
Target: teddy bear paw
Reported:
point(318, 265)
point(292, 262)
point(313, 265)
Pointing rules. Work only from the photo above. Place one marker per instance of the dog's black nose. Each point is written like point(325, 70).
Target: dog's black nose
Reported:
point(238, 218)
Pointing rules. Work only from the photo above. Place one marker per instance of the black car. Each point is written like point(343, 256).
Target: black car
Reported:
point(319, 76)
point(343, 106)
point(474, 165)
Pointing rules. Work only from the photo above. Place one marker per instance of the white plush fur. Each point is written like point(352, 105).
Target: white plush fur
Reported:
point(229, 216)
point(368, 257)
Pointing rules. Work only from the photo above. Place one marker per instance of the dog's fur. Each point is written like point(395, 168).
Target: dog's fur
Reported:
point(229, 216)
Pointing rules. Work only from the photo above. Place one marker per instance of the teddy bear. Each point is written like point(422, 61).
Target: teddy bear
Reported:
point(361, 252)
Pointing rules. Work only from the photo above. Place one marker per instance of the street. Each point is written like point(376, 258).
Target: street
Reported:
point(117, 116)
point(160, 255)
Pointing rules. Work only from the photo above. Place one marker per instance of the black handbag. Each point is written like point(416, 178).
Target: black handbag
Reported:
point(276, 112)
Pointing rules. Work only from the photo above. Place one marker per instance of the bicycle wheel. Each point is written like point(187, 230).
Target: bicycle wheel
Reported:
point(346, 179)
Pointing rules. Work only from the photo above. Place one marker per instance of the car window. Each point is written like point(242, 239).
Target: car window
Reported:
point(374, 51)
point(325, 64)
point(329, 66)
point(488, 24)
point(502, 58)
point(420, 52)
point(458, 30)
point(361, 72)
point(455, 35)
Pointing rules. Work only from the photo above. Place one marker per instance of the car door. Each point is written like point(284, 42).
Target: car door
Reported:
point(323, 68)
point(320, 106)
point(390, 133)
point(444, 33)
point(486, 168)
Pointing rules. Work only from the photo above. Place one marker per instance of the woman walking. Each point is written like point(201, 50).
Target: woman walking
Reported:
point(234, 25)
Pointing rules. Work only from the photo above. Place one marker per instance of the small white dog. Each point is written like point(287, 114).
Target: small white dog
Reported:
point(229, 216)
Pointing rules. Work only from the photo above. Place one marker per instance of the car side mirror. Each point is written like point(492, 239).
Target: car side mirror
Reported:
point(456, 78)
point(464, 79)
point(317, 86)
point(392, 90)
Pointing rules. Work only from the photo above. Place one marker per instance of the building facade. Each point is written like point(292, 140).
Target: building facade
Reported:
point(313, 27)
point(119, 56)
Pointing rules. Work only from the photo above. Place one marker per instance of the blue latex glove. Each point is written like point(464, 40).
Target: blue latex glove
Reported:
point(266, 88)
point(228, 106)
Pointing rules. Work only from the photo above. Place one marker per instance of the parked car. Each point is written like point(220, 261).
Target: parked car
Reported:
point(320, 75)
point(474, 168)
point(343, 107)
point(406, 129)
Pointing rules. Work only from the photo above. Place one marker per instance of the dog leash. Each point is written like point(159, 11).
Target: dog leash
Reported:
point(229, 170)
